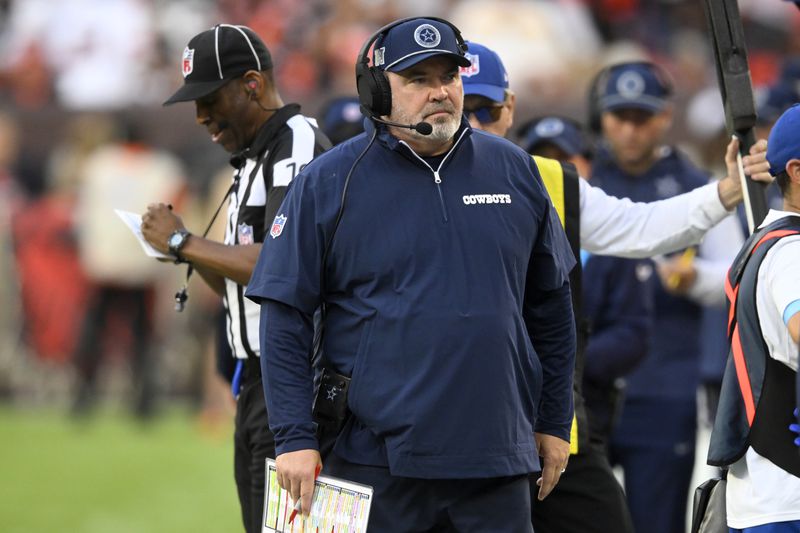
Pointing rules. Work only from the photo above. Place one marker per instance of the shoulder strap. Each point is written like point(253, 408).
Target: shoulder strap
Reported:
point(561, 181)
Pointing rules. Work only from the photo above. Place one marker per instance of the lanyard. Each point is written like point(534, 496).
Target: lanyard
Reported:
point(181, 296)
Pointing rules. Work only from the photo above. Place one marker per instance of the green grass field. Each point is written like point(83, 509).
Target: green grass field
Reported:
point(109, 474)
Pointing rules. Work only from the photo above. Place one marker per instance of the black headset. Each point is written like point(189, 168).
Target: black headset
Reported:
point(599, 85)
point(374, 91)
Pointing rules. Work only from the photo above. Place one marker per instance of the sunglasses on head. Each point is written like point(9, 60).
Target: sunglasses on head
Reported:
point(485, 110)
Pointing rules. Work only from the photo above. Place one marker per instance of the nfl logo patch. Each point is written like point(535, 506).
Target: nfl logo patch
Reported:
point(188, 61)
point(474, 68)
point(245, 234)
point(277, 226)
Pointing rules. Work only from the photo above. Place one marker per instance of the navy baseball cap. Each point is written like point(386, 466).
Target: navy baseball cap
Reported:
point(486, 75)
point(416, 40)
point(773, 101)
point(634, 86)
point(341, 118)
point(560, 131)
point(784, 140)
point(215, 57)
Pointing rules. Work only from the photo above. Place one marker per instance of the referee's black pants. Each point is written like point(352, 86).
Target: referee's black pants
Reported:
point(253, 443)
point(587, 499)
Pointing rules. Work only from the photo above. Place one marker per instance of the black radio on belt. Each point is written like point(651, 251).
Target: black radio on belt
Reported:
point(330, 404)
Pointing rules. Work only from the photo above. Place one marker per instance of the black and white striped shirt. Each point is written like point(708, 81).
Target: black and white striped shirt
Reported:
point(284, 145)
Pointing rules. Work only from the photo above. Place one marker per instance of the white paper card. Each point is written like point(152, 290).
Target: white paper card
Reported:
point(134, 223)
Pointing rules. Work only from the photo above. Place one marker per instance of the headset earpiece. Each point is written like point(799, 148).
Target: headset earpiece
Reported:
point(252, 85)
point(374, 91)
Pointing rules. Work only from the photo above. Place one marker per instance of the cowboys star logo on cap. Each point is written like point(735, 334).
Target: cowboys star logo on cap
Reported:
point(550, 127)
point(188, 61)
point(630, 84)
point(427, 36)
point(474, 68)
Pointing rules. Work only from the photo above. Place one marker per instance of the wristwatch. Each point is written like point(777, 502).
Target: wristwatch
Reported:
point(177, 241)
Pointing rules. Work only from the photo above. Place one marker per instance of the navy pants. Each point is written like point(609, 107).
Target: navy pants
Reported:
point(406, 505)
point(655, 444)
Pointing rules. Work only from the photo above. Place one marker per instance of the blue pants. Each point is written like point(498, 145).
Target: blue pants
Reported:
point(405, 505)
point(655, 444)
point(776, 527)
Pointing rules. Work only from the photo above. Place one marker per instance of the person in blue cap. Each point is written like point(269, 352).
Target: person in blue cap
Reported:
point(442, 271)
point(655, 439)
point(609, 226)
point(755, 429)
point(488, 101)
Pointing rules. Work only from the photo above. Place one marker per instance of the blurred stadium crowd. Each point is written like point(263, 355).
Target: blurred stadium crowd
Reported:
point(82, 132)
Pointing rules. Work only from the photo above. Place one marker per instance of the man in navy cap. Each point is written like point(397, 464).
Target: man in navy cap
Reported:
point(442, 272)
point(228, 73)
point(655, 439)
point(755, 429)
point(559, 138)
point(341, 118)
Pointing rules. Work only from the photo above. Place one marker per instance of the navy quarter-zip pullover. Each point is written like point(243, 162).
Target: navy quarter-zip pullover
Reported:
point(447, 302)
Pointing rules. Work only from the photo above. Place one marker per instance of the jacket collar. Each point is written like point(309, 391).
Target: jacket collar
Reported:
point(393, 143)
point(264, 135)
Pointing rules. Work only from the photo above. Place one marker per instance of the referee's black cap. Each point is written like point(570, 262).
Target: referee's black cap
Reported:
point(216, 56)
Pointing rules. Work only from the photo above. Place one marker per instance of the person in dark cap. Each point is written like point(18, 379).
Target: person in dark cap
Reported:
point(756, 428)
point(655, 439)
point(341, 118)
point(442, 272)
point(559, 138)
point(228, 73)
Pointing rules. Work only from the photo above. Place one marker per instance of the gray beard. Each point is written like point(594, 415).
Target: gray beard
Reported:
point(442, 131)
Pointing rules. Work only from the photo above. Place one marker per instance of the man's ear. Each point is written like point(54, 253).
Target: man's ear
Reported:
point(253, 83)
point(511, 103)
point(793, 170)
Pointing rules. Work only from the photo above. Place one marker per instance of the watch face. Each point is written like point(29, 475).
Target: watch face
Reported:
point(176, 240)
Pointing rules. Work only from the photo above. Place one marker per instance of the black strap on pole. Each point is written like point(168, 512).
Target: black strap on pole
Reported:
point(733, 74)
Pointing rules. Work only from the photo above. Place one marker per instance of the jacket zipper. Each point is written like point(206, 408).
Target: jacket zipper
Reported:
point(437, 179)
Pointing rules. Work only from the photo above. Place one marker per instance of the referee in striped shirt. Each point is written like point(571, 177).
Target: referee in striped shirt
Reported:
point(228, 73)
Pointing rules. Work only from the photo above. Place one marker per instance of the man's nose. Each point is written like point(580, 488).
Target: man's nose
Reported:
point(438, 93)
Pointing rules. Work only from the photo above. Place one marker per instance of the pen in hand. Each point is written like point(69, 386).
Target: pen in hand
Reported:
point(298, 503)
